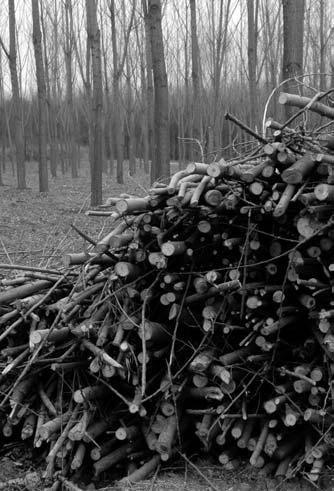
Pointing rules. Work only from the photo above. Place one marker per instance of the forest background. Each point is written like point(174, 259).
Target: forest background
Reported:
point(147, 82)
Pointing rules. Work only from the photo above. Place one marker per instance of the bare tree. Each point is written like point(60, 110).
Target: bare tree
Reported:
point(147, 86)
point(97, 103)
point(293, 31)
point(2, 125)
point(323, 42)
point(252, 59)
point(41, 89)
point(195, 75)
point(118, 67)
point(53, 166)
point(16, 98)
point(130, 119)
point(70, 114)
point(160, 163)
point(218, 48)
point(107, 123)
point(331, 57)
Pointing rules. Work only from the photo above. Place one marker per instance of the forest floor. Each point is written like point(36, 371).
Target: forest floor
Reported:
point(35, 230)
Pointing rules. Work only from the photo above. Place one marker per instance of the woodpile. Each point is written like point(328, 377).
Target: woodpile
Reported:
point(202, 320)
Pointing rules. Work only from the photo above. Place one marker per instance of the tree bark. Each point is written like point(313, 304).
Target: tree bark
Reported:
point(118, 114)
point(293, 31)
point(252, 60)
point(195, 75)
point(322, 43)
point(108, 149)
point(130, 121)
point(51, 113)
point(149, 93)
point(160, 164)
point(68, 51)
point(219, 49)
point(16, 99)
point(2, 125)
point(331, 58)
point(41, 89)
point(97, 137)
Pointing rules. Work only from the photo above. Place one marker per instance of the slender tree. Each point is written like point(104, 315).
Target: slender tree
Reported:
point(147, 85)
point(322, 42)
point(118, 67)
point(252, 59)
point(41, 89)
point(160, 164)
point(70, 113)
point(16, 98)
point(107, 123)
point(331, 57)
point(97, 103)
point(130, 120)
point(195, 75)
point(293, 31)
point(218, 55)
point(2, 126)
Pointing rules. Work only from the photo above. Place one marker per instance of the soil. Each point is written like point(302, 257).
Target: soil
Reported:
point(35, 230)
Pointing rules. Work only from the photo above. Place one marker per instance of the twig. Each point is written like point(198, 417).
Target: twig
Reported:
point(212, 486)
point(32, 268)
point(246, 128)
point(143, 341)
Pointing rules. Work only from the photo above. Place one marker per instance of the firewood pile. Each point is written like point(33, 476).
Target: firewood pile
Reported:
point(202, 322)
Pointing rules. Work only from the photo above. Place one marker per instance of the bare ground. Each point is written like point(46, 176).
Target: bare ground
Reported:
point(36, 230)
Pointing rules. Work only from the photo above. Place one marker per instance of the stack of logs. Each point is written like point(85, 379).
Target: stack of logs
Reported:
point(203, 320)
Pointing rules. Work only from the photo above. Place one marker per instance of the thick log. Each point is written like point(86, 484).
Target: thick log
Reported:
point(9, 296)
point(299, 170)
point(301, 102)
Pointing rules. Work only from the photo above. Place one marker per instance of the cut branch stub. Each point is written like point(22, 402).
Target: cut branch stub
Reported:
point(127, 206)
point(302, 102)
point(173, 248)
point(126, 270)
point(324, 192)
point(299, 170)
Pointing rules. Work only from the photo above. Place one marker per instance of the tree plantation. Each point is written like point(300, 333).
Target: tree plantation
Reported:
point(148, 82)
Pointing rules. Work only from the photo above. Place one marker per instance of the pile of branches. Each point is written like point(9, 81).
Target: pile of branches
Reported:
point(203, 319)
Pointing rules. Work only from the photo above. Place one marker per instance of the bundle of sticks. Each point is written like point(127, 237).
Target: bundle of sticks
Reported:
point(202, 320)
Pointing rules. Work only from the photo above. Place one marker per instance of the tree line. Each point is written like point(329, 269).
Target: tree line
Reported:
point(148, 81)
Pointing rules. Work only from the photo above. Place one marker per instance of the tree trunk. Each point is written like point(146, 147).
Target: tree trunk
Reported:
point(145, 116)
point(68, 50)
point(130, 121)
point(190, 145)
point(41, 89)
point(2, 125)
point(149, 91)
point(108, 150)
point(88, 87)
point(322, 42)
point(97, 137)
point(195, 75)
point(331, 59)
point(118, 114)
point(252, 61)
point(293, 30)
point(160, 165)
point(50, 111)
point(219, 49)
point(53, 96)
point(16, 99)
